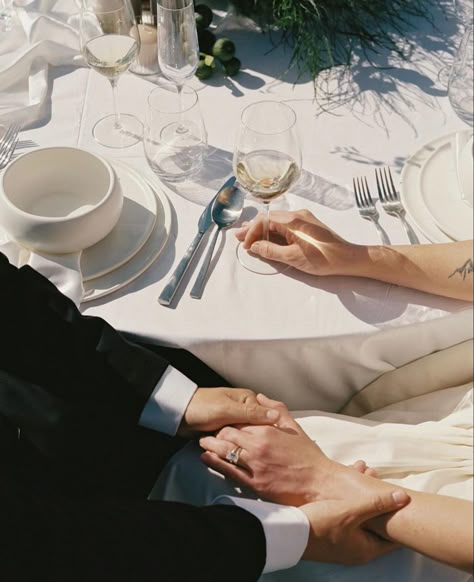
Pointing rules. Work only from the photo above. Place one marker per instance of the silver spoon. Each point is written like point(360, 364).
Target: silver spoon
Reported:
point(226, 211)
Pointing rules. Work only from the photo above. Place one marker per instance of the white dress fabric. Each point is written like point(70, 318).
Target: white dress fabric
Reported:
point(421, 439)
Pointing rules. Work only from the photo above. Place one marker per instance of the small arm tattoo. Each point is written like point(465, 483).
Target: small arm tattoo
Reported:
point(464, 270)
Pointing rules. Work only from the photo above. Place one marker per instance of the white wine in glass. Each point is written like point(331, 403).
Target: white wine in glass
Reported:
point(110, 44)
point(267, 161)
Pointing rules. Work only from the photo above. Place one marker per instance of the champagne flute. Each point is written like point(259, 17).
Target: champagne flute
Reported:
point(110, 43)
point(178, 49)
point(267, 162)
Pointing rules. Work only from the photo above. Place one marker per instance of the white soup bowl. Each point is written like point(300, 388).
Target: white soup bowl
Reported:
point(59, 199)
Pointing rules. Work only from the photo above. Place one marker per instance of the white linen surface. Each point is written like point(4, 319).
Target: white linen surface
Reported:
point(42, 36)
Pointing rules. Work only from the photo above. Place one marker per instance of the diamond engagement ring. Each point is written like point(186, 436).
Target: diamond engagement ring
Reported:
point(233, 456)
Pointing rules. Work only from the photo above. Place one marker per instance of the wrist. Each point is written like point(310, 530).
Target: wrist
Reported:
point(350, 260)
point(370, 261)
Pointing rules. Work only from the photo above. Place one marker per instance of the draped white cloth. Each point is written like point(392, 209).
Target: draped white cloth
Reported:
point(42, 37)
point(419, 435)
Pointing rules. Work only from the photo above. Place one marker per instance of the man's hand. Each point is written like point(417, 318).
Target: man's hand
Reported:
point(337, 531)
point(212, 408)
point(307, 244)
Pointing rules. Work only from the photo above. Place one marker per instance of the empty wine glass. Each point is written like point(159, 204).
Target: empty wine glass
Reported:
point(110, 43)
point(267, 162)
point(178, 49)
point(461, 80)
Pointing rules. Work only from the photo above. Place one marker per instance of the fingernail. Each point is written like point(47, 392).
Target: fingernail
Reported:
point(400, 497)
point(273, 415)
point(255, 247)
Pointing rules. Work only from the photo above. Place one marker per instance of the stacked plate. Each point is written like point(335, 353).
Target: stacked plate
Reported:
point(437, 188)
point(134, 243)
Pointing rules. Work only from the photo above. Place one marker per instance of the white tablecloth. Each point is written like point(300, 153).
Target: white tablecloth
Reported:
point(312, 342)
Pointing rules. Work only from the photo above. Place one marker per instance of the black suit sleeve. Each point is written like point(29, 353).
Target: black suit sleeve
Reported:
point(67, 540)
point(90, 383)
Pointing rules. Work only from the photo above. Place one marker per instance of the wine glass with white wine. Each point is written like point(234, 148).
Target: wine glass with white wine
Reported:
point(110, 43)
point(267, 162)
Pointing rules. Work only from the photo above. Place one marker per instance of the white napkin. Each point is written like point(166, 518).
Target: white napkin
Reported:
point(64, 271)
point(27, 51)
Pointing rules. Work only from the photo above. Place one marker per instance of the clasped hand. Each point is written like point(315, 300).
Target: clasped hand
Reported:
point(283, 465)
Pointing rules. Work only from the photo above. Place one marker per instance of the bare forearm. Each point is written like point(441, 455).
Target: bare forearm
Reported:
point(442, 269)
point(435, 525)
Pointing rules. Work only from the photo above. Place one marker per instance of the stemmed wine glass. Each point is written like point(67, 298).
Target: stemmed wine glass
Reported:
point(461, 80)
point(461, 97)
point(267, 162)
point(178, 49)
point(110, 43)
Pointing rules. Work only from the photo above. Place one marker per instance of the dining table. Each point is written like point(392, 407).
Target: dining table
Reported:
point(310, 341)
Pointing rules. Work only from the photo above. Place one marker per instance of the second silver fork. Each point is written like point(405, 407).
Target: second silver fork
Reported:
point(391, 203)
point(366, 206)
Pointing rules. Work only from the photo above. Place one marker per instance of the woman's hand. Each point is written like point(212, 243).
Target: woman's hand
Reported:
point(307, 244)
point(338, 531)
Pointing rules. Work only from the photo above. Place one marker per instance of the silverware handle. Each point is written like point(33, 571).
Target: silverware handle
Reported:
point(171, 287)
point(383, 234)
point(414, 240)
point(199, 284)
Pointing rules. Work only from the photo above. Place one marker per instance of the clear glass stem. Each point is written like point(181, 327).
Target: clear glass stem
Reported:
point(181, 127)
point(266, 220)
point(113, 83)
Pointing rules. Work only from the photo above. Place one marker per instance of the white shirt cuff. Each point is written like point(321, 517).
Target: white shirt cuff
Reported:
point(286, 530)
point(168, 402)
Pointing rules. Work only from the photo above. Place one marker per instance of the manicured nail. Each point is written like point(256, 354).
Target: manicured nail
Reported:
point(273, 415)
point(400, 497)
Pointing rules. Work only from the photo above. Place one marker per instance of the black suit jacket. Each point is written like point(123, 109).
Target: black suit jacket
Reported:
point(71, 393)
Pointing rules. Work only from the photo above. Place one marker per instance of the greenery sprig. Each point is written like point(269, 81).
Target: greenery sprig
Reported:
point(325, 33)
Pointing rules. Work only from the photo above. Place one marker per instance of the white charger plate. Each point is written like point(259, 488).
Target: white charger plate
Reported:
point(132, 230)
point(143, 258)
point(411, 195)
point(440, 189)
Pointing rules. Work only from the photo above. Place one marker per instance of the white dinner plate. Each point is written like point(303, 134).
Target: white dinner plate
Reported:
point(132, 230)
point(440, 189)
point(142, 260)
point(411, 195)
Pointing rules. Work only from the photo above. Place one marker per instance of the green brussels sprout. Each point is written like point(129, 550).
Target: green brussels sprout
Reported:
point(204, 71)
point(223, 49)
point(231, 67)
point(203, 16)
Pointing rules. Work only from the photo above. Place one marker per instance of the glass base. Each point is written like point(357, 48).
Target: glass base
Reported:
point(108, 134)
point(258, 265)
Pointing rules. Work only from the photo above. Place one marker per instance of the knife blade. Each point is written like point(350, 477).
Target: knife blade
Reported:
point(204, 223)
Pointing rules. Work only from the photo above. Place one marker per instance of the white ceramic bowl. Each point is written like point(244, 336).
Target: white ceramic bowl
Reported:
point(59, 199)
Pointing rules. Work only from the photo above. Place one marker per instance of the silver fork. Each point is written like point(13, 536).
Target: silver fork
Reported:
point(8, 143)
point(390, 200)
point(366, 206)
